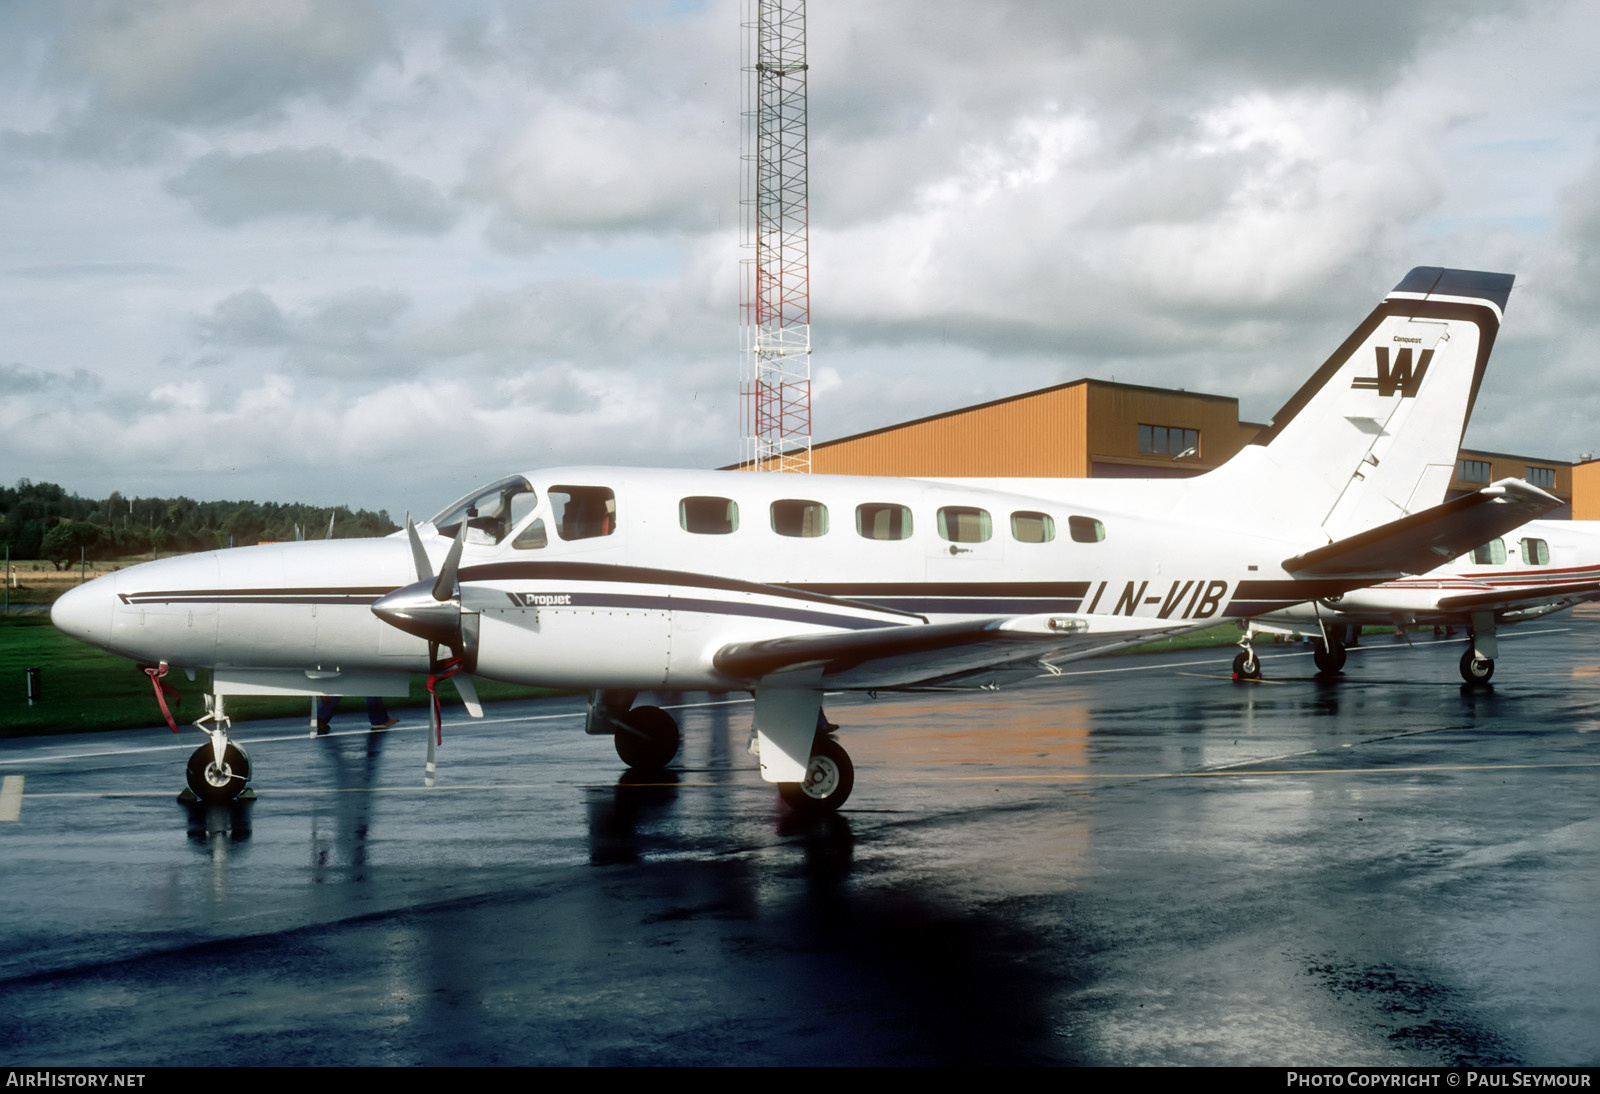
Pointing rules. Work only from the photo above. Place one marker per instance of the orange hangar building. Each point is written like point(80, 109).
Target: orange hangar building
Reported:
point(1100, 429)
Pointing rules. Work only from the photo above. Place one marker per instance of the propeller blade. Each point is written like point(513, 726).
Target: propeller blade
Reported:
point(445, 587)
point(469, 694)
point(330, 525)
point(418, 555)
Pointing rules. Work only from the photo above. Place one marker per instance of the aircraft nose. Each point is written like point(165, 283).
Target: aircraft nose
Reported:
point(85, 612)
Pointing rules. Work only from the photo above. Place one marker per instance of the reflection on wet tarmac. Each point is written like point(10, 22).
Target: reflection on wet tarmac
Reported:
point(1139, 863)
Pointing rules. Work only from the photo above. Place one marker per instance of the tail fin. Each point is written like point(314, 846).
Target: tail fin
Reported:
point(1374, 434)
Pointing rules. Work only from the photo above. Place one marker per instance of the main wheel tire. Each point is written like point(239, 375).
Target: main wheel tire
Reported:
point(1474, 669)
point(1247, 666)
point(1328, 656)
point(211, 783)
point(647, 739)
point(829, 779)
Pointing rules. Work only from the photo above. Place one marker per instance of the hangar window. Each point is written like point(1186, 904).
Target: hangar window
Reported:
point(708, 516)
point(1492, 553)
point(1032, 527)
point(1535, 552)
point(883, 520)
point(583, 512)
point(1542, 477)
point(1472, 470)
point(964, 524)
point(1169, 440)
point(1086, 529)
point(803, 519)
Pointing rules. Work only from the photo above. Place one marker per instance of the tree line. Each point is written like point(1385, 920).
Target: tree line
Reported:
point(43, 521)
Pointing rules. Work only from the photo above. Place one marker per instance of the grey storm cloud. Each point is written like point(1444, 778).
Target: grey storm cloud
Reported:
point(18, 379)
point(347, 334)
point(207, 62)
point(321, 183)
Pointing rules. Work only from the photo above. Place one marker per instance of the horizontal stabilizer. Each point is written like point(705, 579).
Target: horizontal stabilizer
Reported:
point(900, 656)
point(1522, 597)
point(1423, 541)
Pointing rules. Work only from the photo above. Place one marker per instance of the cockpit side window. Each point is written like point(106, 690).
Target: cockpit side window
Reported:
point(490, 512)
point(583, 512)
point(532, 537)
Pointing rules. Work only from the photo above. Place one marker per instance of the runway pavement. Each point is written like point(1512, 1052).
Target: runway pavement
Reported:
point(1137, 862)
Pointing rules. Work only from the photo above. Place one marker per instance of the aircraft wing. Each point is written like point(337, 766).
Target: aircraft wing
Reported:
point(1520, 597)
point(905, 656)
point(1424, 540)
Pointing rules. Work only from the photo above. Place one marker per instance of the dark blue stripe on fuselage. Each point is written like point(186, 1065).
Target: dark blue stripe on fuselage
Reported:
point(645, 603)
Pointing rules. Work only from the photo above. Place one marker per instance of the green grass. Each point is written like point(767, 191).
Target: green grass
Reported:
point(82, 688)
point(1221, 634)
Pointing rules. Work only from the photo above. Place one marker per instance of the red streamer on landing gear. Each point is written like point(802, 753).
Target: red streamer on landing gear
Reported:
point(443, 671)
point(155, 675)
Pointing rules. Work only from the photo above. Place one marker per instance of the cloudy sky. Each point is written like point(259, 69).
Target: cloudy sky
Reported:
point(377, 253)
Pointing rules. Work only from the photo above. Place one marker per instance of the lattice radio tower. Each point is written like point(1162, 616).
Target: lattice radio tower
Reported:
point(775, 369)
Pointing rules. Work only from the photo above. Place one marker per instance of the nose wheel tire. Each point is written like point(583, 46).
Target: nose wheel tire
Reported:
point(647, 738)
point(1247, 666)
point(828, 782)
point(1476, 670)
point(211, 783)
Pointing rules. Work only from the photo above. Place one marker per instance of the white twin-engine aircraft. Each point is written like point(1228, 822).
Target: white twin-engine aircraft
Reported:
point(617, 581)
point(1543, 567)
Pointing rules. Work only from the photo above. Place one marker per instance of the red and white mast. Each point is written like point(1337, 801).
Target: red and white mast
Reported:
point(775, 370)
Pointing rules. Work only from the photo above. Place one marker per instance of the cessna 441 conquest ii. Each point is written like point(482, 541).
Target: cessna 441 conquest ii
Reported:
point(1543, 567)
point(617, 581)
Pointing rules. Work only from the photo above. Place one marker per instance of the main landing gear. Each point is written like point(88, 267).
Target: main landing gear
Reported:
point(219, 770)
point(829, 779)
point(1475, 669)
point(1477, 661)
point(646, 738)
point(1246, 665)
point(1329, 655)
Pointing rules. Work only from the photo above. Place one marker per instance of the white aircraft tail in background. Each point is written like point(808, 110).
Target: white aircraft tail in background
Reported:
point(1545, 566)
point(618, 581)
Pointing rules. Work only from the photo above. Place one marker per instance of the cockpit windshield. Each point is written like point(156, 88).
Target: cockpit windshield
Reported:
point(492, 510)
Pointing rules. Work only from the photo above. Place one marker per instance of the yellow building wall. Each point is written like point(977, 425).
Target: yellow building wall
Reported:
point(1505, 466)
point(1585, 490)
point(1034, 435)
point(1115, 414)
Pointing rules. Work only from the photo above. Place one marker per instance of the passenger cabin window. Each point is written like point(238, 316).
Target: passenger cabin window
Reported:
point(709, 516)
point(883, 520)
point(802, 519)
point(1086, 529)
point(1032, 527)
point(1492, 553)
point(583, 512)
point(1535, 552)
point(963, 524)
point(490, 512)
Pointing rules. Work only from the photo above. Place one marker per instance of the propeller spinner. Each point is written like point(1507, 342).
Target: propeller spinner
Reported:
point(430, 608)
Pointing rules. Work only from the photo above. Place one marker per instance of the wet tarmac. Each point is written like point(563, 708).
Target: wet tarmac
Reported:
point(1137, 862)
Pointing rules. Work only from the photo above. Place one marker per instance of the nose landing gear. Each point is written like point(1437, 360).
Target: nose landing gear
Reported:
point(219, 770)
